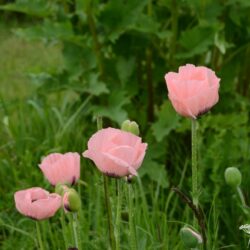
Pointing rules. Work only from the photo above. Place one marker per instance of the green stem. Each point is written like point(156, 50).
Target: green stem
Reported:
point(118, 214)
point(242, 199)
point(74, 227)
point(39, 237)
point(64, 230)
point(174, 27)
point(96, 43)
point(109, 213)
point(132, 230)
point(107, 200)
point(195, 193)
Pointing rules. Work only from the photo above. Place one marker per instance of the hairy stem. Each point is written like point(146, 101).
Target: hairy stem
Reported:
point(132, 230)
point(118, 214)
point(107, 200)
point(195, 193)
point(109, 213)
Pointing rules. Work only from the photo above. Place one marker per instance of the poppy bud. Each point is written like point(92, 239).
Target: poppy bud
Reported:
point(61, 189)
point(130, 126)
point(190, 238)
point(233, 176)
point(71, 200)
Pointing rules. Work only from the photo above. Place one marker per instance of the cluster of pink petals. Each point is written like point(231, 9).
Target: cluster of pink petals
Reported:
point(193, 90)
point(115, 152)
point(61, 168)
point(58, 168)
point(37, 203)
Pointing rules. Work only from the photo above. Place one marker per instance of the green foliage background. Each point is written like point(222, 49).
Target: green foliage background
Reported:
point(113, 58)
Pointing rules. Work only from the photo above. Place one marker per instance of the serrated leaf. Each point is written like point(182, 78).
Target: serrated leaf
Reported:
point(114, 108)
point(118, 16)
point(167, 121)
point(35, 8)
point(116, 114)
point(196, 41)
point(95, 87)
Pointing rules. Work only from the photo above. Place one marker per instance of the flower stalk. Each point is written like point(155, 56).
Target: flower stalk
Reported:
point(195, 184)
point(39, 237)
point(107, 200)
point(74, 228)
point(118, 214)
point(132, 229)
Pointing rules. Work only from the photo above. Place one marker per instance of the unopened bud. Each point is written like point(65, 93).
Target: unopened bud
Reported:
point(130, 126)
point(61, 189)
point(233, 176)
point(71, 201)
point(190, 238)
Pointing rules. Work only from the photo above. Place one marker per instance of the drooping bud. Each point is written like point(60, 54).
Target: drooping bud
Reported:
point(233, 177)
point(190, 238)
point(71, 200)
point(130, 126)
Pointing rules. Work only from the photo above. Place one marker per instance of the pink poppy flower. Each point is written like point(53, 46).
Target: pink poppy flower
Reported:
point(37, 203)
point(61, 168)
point(193, 90)
point(116, 153)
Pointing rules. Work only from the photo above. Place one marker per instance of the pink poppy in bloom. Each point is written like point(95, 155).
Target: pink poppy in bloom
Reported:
point(193, 90)
point(116, 153)
point(37, 203)
point(61, 168)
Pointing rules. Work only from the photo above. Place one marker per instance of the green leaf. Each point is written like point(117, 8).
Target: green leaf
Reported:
point(39, 8)
point(125, 68)
point(119, 16)
point(168, 120)
point(114, 108)
point(95, 87)
point(196, 41)
point(155, 171)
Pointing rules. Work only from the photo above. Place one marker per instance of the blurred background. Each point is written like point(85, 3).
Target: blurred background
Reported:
point(65, 62)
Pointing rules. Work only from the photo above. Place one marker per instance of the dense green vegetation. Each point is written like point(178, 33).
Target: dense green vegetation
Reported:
point(66, 62)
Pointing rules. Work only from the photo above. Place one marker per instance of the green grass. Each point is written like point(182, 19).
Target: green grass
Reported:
point(18, 59)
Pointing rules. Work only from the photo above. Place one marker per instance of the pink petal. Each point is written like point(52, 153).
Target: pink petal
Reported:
point(125, 153)
point(37, 203)
point(140, 155)
point(65, 170)
point(51, 158)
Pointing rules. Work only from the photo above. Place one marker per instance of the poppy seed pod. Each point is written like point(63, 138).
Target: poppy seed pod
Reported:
point(190, 238)
point(130, 126)
point(233, 177)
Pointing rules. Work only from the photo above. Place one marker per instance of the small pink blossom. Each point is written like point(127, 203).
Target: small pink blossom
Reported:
point(115, 152)
point(193, 90)
point(37, 203)
point(61, 168)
